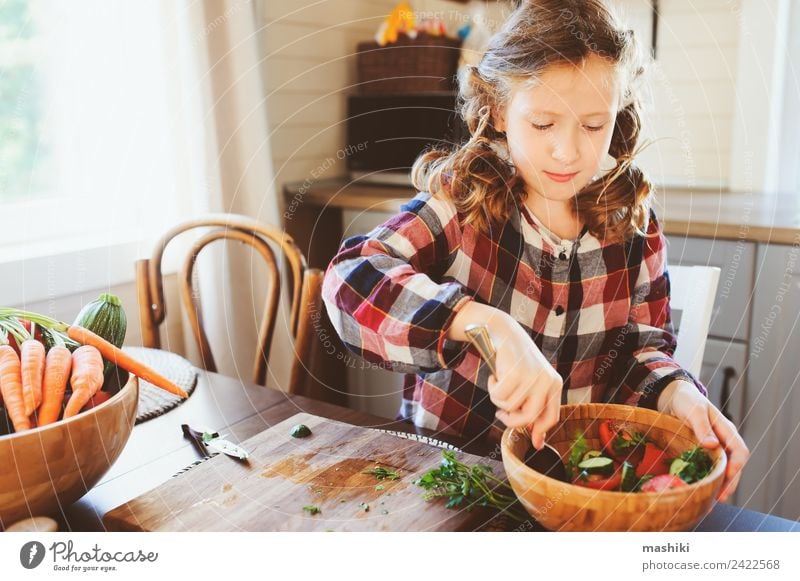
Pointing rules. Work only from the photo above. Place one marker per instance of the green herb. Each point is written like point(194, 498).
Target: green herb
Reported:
point(379, 487)
point(622, 446)
point(312, 509)
point(576, 452)
point(692, 465)
point(382, 473)
point(300, 431)
point(364, 506)
point(468, 485)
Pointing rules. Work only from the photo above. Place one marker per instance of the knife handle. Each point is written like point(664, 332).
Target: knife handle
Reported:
point(480, 338)
point(195, 438)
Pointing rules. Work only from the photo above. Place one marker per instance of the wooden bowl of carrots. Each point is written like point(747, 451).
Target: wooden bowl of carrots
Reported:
point(628, 469)
point(49, 467)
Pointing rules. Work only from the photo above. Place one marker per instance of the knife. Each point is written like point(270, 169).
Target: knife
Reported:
point(479, 337)
point(205, 440)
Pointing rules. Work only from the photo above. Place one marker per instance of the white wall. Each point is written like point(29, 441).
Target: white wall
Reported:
point(309, 69)
point(692, 89)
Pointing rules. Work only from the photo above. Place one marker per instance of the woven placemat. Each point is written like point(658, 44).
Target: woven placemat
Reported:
point(154, 401)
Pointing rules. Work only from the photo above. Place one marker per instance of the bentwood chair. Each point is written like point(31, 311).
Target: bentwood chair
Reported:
point(304, 285)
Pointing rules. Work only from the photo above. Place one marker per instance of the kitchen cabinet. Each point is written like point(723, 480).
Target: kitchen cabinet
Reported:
point(724, 373)
point(770, 482)
point(736, 260)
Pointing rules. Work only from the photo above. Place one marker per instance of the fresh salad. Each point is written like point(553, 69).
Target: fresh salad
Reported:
point(629, 462)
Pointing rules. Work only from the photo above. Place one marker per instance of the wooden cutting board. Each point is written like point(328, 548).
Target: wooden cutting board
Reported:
point(326, 469)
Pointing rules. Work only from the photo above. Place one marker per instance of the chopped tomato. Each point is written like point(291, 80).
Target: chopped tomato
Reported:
point(606, 434)
point(662, 482)
point(655, 461)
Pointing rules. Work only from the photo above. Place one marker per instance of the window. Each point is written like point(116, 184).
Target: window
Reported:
point(86, 140)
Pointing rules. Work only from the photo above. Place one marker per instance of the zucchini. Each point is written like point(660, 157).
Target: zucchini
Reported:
point(597, 465)
point(629, 480)
point(105, 317)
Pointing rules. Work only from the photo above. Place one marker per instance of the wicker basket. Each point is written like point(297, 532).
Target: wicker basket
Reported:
point(567, 507)
point(422, 64)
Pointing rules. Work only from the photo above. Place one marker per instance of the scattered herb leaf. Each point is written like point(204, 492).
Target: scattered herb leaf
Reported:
point(379, 487)
point(311, 509)
point(383, 473)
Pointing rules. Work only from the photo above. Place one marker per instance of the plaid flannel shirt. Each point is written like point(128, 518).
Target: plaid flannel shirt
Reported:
point(598, 311)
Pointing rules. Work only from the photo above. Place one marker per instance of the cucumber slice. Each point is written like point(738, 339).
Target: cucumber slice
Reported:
point(591, 454)
point(677, 466)
point(629, 480)
point(597, 465)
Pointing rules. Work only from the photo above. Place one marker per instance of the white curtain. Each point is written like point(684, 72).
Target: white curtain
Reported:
point(221, 130)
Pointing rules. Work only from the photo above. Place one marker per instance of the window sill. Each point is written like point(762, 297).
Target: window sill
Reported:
point(48, 270)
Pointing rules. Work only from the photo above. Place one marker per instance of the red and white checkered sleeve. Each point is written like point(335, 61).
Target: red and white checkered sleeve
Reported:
point(650, 339)
point(382, 295)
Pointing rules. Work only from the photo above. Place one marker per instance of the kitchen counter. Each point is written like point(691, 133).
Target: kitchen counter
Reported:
point(699, 213)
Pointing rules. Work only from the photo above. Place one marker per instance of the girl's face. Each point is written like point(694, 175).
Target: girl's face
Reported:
point(560, 130)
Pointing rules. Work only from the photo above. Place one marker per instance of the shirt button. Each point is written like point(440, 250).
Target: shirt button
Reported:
point(559, 310)
point(562, 256)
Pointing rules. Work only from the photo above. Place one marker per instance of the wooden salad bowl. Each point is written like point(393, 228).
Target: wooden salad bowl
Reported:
point(561, 506)
point(47, 468)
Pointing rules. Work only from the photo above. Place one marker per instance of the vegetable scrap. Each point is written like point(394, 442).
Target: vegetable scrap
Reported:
point(300, 431)
point(312, 509)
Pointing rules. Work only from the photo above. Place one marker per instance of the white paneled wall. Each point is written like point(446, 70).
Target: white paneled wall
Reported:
point(691, 94)
point(309, 69)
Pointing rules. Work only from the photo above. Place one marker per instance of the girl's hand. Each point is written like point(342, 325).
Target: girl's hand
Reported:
point(527, 390)
point(682, 400)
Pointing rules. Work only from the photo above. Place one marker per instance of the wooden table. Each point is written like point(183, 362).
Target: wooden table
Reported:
point(157, 450)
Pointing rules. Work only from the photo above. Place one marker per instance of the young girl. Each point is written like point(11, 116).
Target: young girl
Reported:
point(522, 230)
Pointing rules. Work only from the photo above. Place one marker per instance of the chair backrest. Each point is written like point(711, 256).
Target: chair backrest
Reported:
point(304, 285)
point(693, 289)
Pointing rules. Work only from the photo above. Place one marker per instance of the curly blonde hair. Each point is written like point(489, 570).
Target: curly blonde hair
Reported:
point(481, 179)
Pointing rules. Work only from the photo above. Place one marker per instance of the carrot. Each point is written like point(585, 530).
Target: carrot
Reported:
point(11, 386)
point(32, 364)
point(128, 363)
point(56, 374)
point(87, 378)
